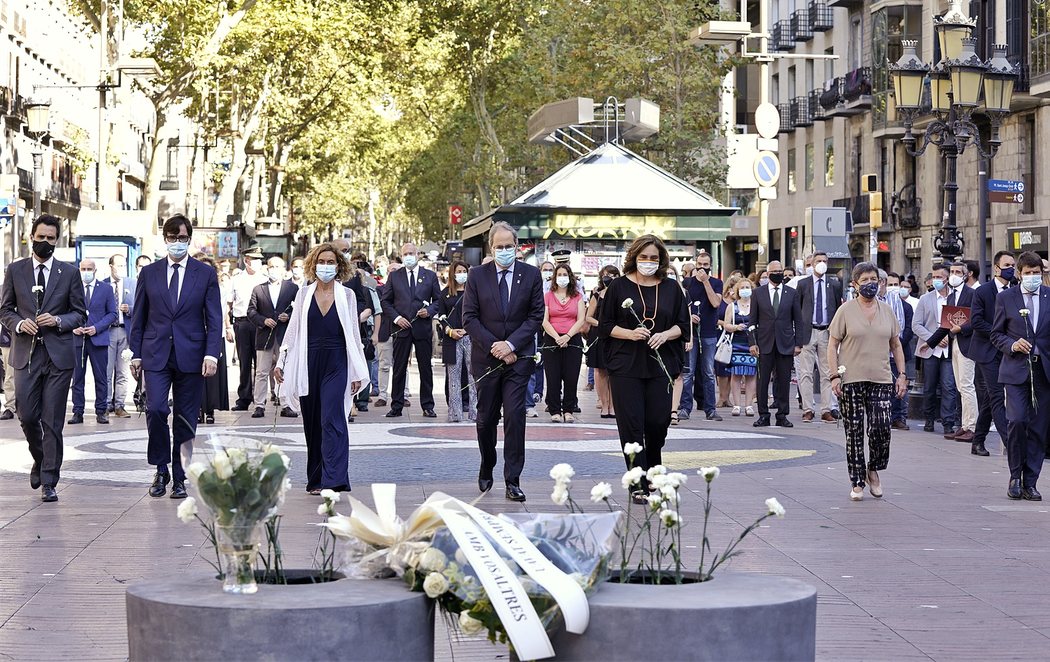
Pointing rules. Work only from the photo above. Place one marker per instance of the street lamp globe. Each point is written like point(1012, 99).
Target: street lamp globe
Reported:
point(38, 115)
point(967, 73)
point(999, 81)
point(951, 28)
point(940, 89)
point(908, 74)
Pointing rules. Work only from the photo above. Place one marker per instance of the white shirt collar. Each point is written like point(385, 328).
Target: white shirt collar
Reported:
point(172, 263)
point(48, 263)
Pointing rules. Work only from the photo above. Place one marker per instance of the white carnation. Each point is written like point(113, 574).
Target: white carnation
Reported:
point(562, 472)
point(656, 501)
point(222, 466)
point(322, 510)
point(632, 477)
point(195, 470)
point(601, 492)
point(187, 510)
point(127, 355)
point(709, 473)
point(237, 457)
point(330, 495)
point(560, 495)
point(627, 303)
point(669, 518)
point(658, 470)
point(435, 584)
point(631, 449)
point(774, 507)
point(677, 479)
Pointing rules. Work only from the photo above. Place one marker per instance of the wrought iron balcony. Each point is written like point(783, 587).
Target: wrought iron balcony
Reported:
point(821, 18)
point(800, 25)
point(816, 111)
point(783, 36)
point(857, 84)
point(786, 125)
point(800, 115)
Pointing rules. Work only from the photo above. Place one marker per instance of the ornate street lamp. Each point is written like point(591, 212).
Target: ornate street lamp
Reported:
point(38, 116)
point(957, 85)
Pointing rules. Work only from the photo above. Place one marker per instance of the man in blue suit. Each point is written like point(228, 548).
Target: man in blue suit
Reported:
point(124, 293)
point(1021, 331)
point(985, 355)
point(502, 312)
point(412, 294)
point(176, 337)
point(91, 343)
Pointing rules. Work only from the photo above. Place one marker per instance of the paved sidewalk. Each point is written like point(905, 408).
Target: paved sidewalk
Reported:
point(944, 567)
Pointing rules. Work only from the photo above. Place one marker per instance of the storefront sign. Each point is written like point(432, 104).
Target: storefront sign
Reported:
point(1029, 239)
point(616, 228)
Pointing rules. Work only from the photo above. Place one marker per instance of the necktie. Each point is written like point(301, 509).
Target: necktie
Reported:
point(818, 303)
point(776, 300)
point(504, 290)
point(173, 286)
point(40, 284)
point(87, 296)
point(412, 281)
point(120, 299)
point(1029, 304)
point(951, 298)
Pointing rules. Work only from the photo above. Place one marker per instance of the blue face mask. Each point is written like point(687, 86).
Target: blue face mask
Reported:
point(177, 250)
point(409, 261)
point(87, 277)
point(938, 284)
point(326, 272)
point(1031, 282)
point(505, 256)
point(1007, 274)
point(869, 290)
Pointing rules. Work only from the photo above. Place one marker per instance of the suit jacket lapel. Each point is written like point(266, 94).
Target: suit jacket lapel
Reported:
point(1044, 307)
point(52, 283)
point(188, 280)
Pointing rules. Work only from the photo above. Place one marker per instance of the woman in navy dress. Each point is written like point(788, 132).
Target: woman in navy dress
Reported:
point(323, 361)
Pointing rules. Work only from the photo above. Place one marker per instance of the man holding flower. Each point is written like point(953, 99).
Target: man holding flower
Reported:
point(1021, 331)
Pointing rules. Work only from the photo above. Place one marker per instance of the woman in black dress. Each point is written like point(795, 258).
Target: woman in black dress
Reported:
point(324, 364)
point(596, 353)
point(644, 316)
point(455, 348)
point(216, 387)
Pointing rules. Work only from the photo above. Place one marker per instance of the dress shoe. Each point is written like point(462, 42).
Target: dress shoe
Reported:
point(239, 407)
point(1014, 490)
point(120, 412)
point(76, 419)
point(259, 412)
point(7, 415)
point(577, 410)
point(429, 413)
point(514, 493)
point(380, 402)
point(713, 416)
point(965, 436)
point(102, 419)
point(362, 407)
point(178, 490)
point(393, 413)
point(157, 490)
point(899, 425)
point(34, 476)
point(209, 418)
point(761, 422)
point(836, 414)
point(807, 416)
point(48, 494)
point(288, 413)
point(1031, 494)
point(408, 403)
point(484, 484)
point(828, 417)
point(927, 426)
point(978, 449)
point(784, 423)
point(949, 433)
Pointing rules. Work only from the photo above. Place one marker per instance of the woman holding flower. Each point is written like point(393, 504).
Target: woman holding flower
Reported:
point(324, 364)
point(644, 323)
point(455, 350)
point(563, 318)
point(862, 332)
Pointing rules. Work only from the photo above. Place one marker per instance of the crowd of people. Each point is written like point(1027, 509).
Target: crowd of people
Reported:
point(334, 335)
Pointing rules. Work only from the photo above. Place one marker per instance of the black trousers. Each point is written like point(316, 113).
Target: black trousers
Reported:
point(244, 340)
point(502, 391)
point(403, 345)
point(768, 364)
point(187, 393)
point(991, 402)
point(561, 367)
point(41, 390)
point(1027, 426)
point(643, 415)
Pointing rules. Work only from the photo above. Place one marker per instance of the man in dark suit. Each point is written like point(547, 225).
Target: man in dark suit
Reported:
point(502, 312)
point(117, 372)
point(269, 310)
point(820, 296)
point(1021, 331)
point(986, 356)
point(92, 344)
point(899, 406)
point(411, 296)
point(42, 302)
point(779, 336)
point(176, 338)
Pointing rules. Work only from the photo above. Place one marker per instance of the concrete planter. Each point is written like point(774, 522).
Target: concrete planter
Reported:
point(190, 618)
point(733, 617)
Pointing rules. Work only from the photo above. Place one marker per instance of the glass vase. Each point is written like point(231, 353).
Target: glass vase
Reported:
point(238, 546)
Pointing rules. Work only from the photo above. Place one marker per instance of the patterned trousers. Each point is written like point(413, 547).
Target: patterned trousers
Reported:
point(871, 399)
point(455, 387)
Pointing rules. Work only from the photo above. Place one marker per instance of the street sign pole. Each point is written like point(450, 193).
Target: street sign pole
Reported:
point(763, 60)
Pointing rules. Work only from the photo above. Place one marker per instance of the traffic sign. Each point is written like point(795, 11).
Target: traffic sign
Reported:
point(1005, 186)
point(455, 214)
point(767, 120)
point(1004, 196)
point(767, 168)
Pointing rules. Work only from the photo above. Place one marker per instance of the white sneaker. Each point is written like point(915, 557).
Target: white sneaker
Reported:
point(556, 418)
point(854, 495)
point(736, 411)
point(750, 411)
point(569, 418)
point(530, 412)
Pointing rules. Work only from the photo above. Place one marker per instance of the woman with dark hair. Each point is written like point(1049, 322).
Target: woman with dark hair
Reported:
point(862, 332)
point(455, 350)
point(644, 323)
point(676, 393)
point(596, 354)
point(324, 364)
point(563, 317)
point(216, 387)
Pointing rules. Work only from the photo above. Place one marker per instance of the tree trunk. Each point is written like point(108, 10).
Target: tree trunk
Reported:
point(238, 159)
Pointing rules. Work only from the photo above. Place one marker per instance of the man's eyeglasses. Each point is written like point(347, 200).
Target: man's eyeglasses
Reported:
point(182, 238)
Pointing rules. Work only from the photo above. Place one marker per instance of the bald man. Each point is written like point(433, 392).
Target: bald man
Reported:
point(91, 344)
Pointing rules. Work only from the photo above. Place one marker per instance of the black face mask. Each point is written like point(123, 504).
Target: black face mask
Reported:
point(776, 277)
point(606, 280)
point(43, 249)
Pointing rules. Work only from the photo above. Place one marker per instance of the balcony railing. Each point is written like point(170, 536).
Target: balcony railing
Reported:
point(832, 96)
point(800, 25)
point(821, 18)
point(786, 125)
point(816, 111)
point(800, 115)
point(783, 36)
point(857, 84)
point(884, 120)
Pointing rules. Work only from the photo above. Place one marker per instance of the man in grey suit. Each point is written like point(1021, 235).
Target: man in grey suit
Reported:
point(820, 296)
point(42, 301)
point(119, 368)
point(934, 348)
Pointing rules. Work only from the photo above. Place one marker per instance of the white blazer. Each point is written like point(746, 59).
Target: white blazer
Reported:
point(293, 356)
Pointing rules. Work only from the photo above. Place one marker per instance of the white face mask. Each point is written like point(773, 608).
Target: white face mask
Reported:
point(87, 276)
point(820, 268)
point(326, 272)
point(647, 268)
point(745, 294)
point(809, 271)
point(547, 275)
point(297, 272)
point(563, 281)
point(955, 280)
point(409, 260)
point(904, 292)
point(274, 274)
point(461, 278)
